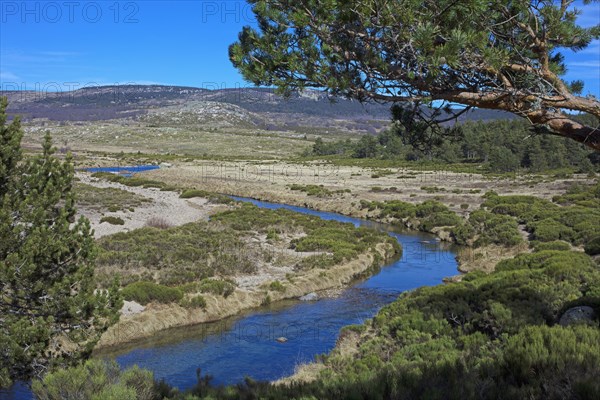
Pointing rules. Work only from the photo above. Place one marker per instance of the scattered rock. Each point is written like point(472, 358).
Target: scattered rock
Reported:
point(578, 315)
point(310, 297)
point(452, 279)
point(281, 339)
point(131, 308)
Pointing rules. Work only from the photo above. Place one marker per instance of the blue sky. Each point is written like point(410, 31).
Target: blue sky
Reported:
point(58, 45)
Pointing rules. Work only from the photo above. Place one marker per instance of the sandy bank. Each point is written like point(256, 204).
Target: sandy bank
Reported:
point(165, 205)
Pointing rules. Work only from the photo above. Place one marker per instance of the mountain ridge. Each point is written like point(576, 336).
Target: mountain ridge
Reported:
point(265, 108)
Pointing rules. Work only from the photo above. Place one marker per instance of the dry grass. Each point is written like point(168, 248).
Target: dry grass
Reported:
point(271, 181)
point(107, 199)
point(485, 258)
point(158, 222)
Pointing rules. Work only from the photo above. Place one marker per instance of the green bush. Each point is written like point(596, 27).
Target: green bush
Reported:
point(555, 245)
point(433, 189)
point(216, 286)
point(146, 292)
point(277, 286)
point(430, 207)
point(446, 218)
point(494, 229)
point(462, 233)
point(573, 222)
point(212, 197)
point(312, 190)
point(272, 235)
point(193, 302)
point(112, 220)
point(550, 230)
point(96, 380)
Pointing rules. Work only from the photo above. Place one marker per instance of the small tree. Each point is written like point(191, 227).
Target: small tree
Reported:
point(49, 313)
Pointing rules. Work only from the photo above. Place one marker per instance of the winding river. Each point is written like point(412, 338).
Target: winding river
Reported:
point(246, 345)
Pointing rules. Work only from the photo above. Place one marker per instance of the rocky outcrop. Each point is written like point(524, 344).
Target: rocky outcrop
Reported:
point(579, 315)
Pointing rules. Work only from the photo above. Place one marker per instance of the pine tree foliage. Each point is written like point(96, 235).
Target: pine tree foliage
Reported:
point(503, 55)
point(49, 313)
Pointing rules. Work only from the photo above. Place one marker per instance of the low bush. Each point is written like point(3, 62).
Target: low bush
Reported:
point(272, 235)
point(546, 221)
point(216, 286)
point(96, 380)
point(555, 245)
point(196, 301)
point(433, 189)
point(495, 229)
point(112, 220)
point(212, 197)
point(312, 190)
point(549, 229)
point(446, 218)
point(277, 286)
point(146, 292)
point(464, 233)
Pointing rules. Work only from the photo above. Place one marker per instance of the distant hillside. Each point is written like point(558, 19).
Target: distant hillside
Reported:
point(171, 105)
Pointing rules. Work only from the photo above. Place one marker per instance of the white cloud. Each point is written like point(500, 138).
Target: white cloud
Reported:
point(586, 64)
point(8, 76)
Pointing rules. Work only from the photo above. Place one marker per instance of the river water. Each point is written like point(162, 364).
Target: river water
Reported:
point(246, 345)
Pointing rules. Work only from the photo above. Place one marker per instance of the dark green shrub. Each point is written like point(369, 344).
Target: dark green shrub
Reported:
point(555, 245)
point(216, 286)
point(396, 209)
point(312, 190)
point(446, 218)
point(430, 207)
point(96, 379)
point(112, 220)
point(462, 233)
point(277, 286)
point(212, 197)
point(272, 235)
point(146, 292)
point(549, 230)
point(193, 302)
